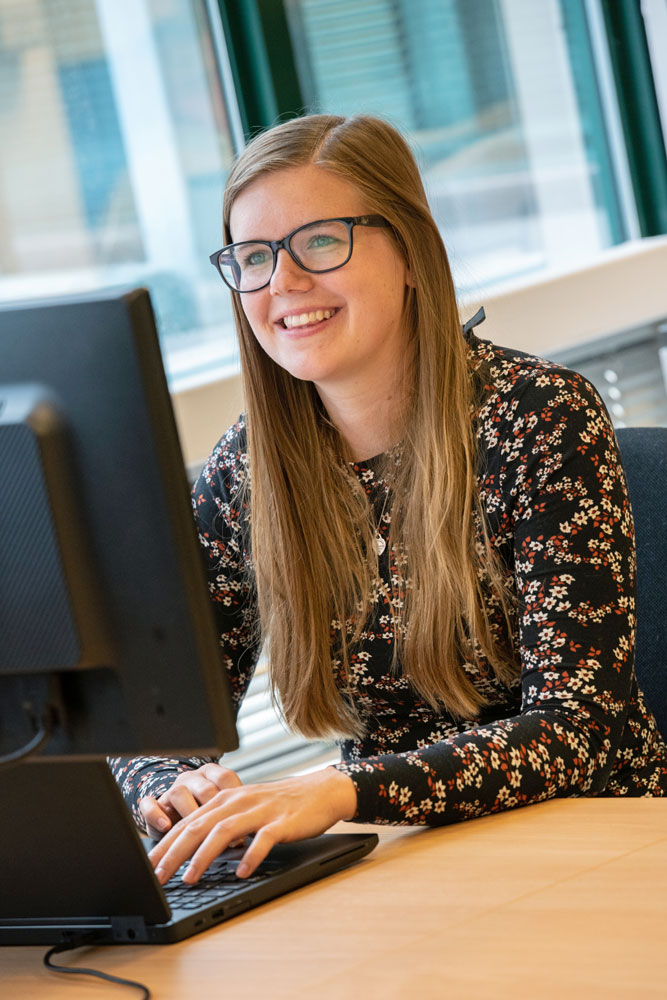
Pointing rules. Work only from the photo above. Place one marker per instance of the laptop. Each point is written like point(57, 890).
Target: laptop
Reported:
point(74, 868)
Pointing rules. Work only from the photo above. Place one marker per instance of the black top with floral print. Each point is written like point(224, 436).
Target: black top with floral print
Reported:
point(574, 722)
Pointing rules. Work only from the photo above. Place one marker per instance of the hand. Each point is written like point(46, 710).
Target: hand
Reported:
point(275, 812)
point(190, 791)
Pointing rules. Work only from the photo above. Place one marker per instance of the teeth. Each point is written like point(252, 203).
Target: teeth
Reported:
point(305, 318)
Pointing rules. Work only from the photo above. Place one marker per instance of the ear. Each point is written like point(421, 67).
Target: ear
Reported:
point(409, 278)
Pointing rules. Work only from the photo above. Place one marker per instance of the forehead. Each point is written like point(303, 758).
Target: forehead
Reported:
point(274, 204)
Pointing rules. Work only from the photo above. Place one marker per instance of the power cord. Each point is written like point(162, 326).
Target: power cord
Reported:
point(89, 939)
point(39, 740)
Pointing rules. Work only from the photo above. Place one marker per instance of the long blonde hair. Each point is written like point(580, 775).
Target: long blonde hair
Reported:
point(312, 533)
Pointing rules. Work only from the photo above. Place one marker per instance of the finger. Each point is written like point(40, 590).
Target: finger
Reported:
point(156, 819)
point(152, 832)
point(156, 853)
point(263, 841)
point(190, 838)
point(226, 804)
point(182, 800)
point(200, 788)
point(168, 809)
point(160, 849)
point(223, 835)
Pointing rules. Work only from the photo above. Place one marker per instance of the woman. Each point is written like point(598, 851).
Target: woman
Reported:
point(440, 553)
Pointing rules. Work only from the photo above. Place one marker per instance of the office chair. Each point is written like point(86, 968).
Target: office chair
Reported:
point(644, 454)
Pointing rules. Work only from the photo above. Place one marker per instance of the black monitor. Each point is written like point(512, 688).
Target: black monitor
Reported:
point(107, 639)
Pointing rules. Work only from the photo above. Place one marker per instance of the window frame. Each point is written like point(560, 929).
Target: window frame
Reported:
point(639, 111)
point(262, 62)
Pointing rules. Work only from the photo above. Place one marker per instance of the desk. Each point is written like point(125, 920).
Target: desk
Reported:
point(563, 899)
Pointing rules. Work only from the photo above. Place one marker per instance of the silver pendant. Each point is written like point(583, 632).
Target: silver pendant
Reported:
point(380, 544)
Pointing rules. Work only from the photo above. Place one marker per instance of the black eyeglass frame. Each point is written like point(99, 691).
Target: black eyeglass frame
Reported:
point(350, 221)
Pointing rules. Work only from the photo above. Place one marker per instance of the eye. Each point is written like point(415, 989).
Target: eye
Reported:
point(255, 257)
point(322, 241)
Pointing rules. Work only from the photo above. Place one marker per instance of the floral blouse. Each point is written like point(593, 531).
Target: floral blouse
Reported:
point(574, 722)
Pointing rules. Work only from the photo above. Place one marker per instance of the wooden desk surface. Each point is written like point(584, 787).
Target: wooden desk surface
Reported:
point(564, 899)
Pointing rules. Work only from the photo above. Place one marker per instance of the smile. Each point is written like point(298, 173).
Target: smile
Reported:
point(307, 318)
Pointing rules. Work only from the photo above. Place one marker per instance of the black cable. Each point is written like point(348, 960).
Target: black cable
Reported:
point(89, 939)
point(36, 743)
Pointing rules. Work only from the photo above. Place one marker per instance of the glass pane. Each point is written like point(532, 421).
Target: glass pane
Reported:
point(500, 100)
point(115, 143)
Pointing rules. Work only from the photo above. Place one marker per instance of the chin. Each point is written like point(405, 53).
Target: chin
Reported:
point(303, 374)
point(304, 370)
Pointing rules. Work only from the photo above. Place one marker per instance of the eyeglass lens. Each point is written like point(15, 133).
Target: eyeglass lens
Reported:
point(319, 246)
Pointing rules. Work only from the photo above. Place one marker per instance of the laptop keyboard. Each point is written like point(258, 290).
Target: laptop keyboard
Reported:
point(218, 882)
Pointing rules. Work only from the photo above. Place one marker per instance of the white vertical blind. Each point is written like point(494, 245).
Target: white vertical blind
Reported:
point(267, 749)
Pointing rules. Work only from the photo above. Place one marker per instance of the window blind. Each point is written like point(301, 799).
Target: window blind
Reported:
point(267, 749)
point(629, 370)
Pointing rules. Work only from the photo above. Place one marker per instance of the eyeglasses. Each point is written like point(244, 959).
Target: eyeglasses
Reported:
point(316, 247)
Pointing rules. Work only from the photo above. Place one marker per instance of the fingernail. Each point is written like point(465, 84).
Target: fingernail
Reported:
point(163, 823)
point(190, 874)
point(242, 869)
point(161, 875)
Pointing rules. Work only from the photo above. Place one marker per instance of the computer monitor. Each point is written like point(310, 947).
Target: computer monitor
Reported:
point(107, 637)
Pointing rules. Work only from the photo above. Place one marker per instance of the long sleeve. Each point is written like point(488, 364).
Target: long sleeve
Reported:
point(557, 508)
point(220, 517)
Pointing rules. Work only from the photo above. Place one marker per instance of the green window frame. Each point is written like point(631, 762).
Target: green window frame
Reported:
point(262, 62)
point(640, 116)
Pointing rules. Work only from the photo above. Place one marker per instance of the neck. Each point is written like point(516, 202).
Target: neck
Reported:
point(369, 422)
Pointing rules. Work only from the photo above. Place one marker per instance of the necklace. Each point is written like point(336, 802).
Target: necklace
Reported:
point(380, 542)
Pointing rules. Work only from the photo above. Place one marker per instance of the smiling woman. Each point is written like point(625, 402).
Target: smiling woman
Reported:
point(412, 520)
point(365, 290)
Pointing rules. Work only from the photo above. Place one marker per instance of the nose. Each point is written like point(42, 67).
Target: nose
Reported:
point(288, 276)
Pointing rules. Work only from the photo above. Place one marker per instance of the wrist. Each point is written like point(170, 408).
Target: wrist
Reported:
point(345, 794)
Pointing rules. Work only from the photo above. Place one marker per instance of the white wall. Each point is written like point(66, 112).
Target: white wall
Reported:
point(204, 413)
point(623, 287)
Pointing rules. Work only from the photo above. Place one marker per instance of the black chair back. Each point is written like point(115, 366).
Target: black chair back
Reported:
point(644, 454)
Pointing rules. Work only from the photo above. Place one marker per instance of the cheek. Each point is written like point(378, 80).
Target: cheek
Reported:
point(256, 313)
point(262, 331)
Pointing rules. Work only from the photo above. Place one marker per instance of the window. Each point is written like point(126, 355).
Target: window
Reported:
point(503, 102)
point(115, 144)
